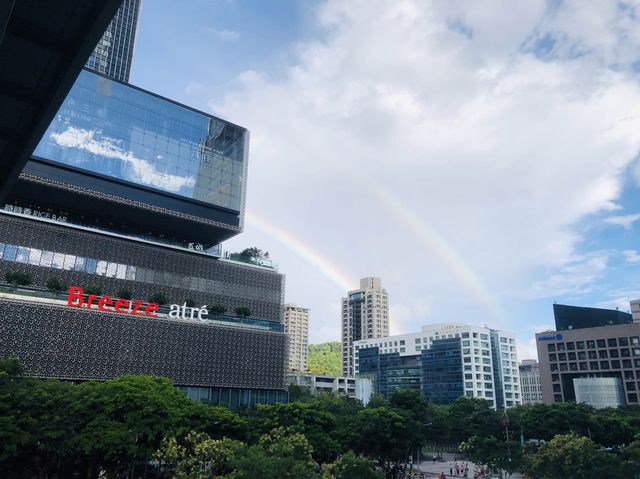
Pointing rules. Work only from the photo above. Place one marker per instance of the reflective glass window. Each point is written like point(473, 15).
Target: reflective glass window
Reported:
point(57, 261)
point(91, 265)
point(101, 268)
point(111, 270)
point(131, 273)
point(79, 265)
point(121, 271)
point(46, 258)
point(10, 252)
point(123, 132)
point(22, 255)
point(34, 256)
point(69, 262)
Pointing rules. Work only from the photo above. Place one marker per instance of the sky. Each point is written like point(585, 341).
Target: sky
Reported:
point(480, 157)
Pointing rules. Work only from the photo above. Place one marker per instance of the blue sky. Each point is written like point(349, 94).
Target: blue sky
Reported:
point(482, 158)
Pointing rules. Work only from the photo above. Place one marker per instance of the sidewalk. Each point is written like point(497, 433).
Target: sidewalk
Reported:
point(433, 469)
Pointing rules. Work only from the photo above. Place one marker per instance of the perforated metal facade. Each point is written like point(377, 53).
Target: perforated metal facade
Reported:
point(77, 344)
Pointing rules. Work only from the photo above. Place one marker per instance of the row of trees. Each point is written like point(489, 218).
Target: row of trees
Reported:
point(141, 426)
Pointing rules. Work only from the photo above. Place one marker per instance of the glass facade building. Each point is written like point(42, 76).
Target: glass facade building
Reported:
point(114, 52)
point(442, 371)
point(577, 317)
point(125, 133)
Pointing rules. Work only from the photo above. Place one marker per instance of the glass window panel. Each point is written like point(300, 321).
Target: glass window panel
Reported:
point(79, 264)
point(111, 270)
point(1, 250)
point(22, 255)
point(34, 256)
point(57, 261)
point(121, 271)
point(131, 273)
point(101, 268)
point(46, 258)
point(69, 262)
point(10, 252)
point(91, 265)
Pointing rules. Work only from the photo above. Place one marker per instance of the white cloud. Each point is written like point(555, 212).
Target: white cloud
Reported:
point(631, 256)
point(139, 170)
point(453, 162)
point(577, 276)
point(626, 221)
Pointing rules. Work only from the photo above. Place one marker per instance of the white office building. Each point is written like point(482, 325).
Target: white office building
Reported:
point(488, 358)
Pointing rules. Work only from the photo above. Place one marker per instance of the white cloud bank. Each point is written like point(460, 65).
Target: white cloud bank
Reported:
point(500, 124)
point(139, 170)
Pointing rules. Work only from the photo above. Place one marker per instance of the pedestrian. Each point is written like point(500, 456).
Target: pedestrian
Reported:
point(451, 470)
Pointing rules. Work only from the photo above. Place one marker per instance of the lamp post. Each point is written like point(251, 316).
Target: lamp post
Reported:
point(420, 449)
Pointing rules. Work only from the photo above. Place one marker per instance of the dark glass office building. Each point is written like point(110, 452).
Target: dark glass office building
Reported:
point(578, 317)
point(442, 371)
point(130, 194)
point(114, 52)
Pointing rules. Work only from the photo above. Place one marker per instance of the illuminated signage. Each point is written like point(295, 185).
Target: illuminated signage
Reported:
point(557, 337)
point(76, 299)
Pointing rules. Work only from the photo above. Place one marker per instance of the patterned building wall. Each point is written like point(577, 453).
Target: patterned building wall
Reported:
point(200, 278)
point(60, 342)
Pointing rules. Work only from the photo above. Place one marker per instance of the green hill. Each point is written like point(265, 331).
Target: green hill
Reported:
point(324, 358)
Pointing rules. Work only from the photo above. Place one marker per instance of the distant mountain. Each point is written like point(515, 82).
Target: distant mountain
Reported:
point(324, 358)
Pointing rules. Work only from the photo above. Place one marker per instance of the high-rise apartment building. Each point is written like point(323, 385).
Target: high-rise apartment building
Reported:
point(596, 361)
point(365, 314)
point(114, 52)
point(296, 326)
point(530, 381)
point(444, 361)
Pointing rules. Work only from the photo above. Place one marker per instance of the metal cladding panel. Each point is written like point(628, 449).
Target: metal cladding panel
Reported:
point(54, 341)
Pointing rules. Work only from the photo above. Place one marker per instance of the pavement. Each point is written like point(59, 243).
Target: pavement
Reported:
point(433, 469)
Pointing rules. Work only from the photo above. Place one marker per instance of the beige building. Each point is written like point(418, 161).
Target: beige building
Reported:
point(296, 327)
point(635, 310)
point(365, 315)
point(530, 384)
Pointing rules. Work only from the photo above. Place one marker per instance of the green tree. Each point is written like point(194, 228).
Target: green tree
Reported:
point(325, 358)
point(351, 466)
point(125, 419)
point(248, 255)
point(570, 455)
point(280, 454)
point(313, 419)
point(54, 285)
point(124, 294)
point(18, 278)
point(217, 309)
point(503, 457)
point(383, 434)
point(198, 456)
point(242, 312)
point(472, 417)
point(93, 289)
point(159, 298)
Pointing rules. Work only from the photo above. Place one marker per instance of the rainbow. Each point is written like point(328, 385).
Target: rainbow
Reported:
point(305, 251)
point(401, 212)
point(436, 243)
